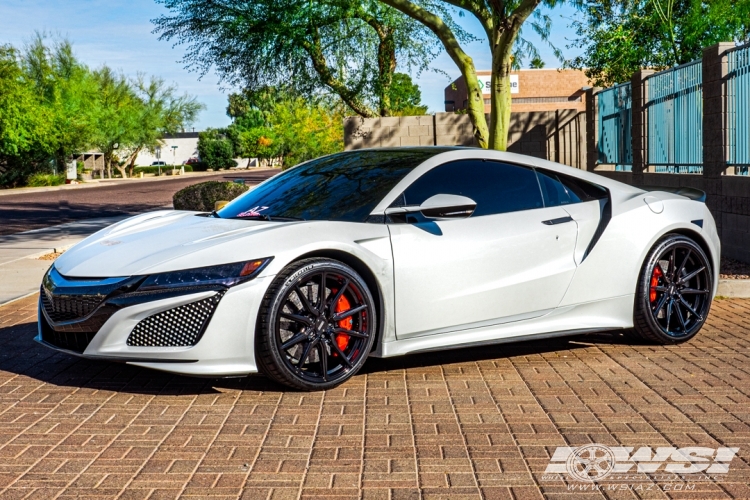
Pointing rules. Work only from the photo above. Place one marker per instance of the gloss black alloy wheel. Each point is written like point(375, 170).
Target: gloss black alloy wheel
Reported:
point(674, 291)
point(316, 325)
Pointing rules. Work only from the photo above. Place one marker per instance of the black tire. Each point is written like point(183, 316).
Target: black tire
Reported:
point(673, 297)
point(309, 344)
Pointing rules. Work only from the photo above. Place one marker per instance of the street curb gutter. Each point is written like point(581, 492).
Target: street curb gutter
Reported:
point(735, 289)
point(18, 298)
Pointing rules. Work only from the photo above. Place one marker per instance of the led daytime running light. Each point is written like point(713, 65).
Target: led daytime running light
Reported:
point(224, 274)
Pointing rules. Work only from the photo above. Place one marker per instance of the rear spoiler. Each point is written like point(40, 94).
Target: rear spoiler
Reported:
point(687, 192)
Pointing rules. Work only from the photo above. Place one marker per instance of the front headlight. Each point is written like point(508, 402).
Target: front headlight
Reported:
point(224, 274)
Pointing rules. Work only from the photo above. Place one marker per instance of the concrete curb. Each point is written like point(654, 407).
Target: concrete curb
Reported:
point(735, 289)
point(18, 298)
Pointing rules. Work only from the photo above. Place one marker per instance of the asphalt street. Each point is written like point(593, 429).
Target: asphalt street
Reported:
point(32, 210)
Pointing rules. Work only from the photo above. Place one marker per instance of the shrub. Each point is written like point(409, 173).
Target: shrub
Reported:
point(39, 180)
point(200, 166)
point(215, 150)
point(202, 197)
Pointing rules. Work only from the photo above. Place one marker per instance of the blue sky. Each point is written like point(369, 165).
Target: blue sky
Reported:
point(119, 33)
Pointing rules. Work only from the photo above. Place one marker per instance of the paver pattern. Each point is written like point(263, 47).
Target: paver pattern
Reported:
point(472, 423)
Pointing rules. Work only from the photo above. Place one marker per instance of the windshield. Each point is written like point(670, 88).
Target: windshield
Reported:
point(341, 187)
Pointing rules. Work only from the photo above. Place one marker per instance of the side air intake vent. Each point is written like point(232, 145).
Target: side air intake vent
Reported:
point(181, 326)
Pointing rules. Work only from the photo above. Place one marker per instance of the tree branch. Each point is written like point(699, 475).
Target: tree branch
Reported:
point(313, 48)
point(457, 54)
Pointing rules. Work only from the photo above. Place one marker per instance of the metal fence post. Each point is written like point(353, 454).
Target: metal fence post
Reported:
point(592, 129)
point(639, 138)
point(715, 147)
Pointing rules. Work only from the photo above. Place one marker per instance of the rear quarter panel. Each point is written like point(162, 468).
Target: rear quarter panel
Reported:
point(613, 266)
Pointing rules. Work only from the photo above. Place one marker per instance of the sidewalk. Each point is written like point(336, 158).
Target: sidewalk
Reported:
point(21, 271)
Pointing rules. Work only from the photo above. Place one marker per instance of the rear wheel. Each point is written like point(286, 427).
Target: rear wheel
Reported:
point(316, 325)
point(674, 291)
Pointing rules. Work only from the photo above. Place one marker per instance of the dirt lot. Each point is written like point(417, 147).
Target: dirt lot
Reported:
point(474, 423)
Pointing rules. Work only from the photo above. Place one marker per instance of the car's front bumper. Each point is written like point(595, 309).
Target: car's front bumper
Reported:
point(226, 347)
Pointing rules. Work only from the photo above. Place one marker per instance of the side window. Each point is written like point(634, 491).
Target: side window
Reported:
point(555, 193)
point(559, 189)
point(496, 187)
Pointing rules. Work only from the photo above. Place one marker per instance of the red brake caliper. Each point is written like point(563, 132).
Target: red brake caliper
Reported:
point(342, 339)
point(655, 282)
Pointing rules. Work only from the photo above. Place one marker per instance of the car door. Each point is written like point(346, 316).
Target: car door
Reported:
point(513, 259)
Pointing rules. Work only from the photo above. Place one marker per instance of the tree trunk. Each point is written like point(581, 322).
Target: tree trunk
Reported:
point(386, 65)
point(131, 161)
point(108, 164)
point(475, 104)
point(501, 98)
point(315, 51)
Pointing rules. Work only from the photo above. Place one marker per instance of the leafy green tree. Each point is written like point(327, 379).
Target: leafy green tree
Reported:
point(278, 122)
point(307, 130)
point(67, 89)
point(502, 21)
point(536, 63)
point(116, 113)
point(345, 47)
point(619, 37)
point(158, 111)
point(405, 96)
point(215, 150)
point(24, 122)
point(52, 106)
point(258, 142)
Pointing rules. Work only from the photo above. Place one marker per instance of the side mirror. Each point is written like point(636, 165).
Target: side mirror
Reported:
point(440, 206)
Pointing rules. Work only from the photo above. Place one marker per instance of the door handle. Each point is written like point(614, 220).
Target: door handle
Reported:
point(559, 220)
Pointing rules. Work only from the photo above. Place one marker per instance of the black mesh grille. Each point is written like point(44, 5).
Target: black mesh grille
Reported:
point(179, 327)
point(71, 341)
point(69, 307)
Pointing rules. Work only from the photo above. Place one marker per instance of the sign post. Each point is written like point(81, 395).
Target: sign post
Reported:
point(158, 157)
point(174, 156)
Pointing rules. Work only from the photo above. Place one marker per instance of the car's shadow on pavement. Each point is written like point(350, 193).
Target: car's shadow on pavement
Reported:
point(495, 351)
point(21, 355)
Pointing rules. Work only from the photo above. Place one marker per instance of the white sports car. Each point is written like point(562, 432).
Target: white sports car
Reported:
point(382, 253)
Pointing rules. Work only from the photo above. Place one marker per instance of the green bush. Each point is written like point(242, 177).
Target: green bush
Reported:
point(215, 150)
point(155, 170)
point(39, 180)
point(202, 197)
point(200, 167)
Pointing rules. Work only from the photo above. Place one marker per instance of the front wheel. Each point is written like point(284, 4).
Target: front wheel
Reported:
point(316, 325)
point(674, 291)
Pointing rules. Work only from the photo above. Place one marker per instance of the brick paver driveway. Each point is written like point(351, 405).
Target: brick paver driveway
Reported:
point(476, 423)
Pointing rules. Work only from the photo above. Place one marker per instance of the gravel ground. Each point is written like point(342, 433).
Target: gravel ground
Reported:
point(731, 269)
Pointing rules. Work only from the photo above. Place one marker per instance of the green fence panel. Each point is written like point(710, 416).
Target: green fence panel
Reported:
point(675, 119)
point(738, 108)
point(614, 122)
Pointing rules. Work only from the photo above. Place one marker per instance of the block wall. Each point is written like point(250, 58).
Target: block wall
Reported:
point(553, 135)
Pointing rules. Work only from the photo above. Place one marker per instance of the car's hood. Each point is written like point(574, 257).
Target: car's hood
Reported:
point(166, 241)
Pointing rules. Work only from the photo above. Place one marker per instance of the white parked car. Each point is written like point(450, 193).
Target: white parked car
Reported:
point(383, 253)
